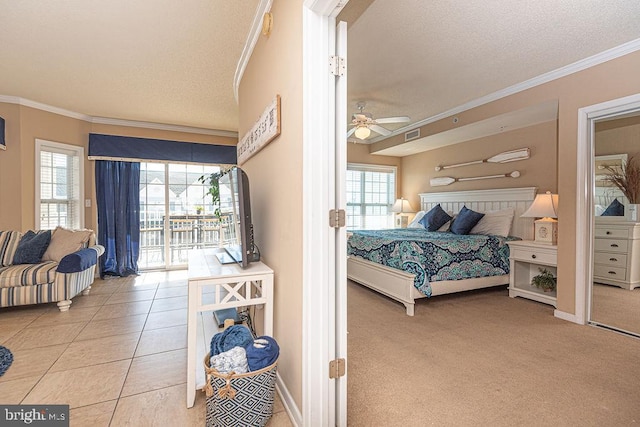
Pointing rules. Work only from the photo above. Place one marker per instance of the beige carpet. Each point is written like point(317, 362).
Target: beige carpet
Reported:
point(481, 358)
point(616, 307)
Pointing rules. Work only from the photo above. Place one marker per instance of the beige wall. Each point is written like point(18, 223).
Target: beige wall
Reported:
point(275, 175)
point(537, 171)
point(17, 164)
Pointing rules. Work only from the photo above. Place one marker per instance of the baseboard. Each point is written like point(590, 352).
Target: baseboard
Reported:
point(570, 317)
point(287, 401)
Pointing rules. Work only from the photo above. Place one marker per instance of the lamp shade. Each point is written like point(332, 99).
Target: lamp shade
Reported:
point(402, 206)
point(544, 206)
point(362, 132)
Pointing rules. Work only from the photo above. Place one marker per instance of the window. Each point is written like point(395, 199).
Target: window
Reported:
point(371, 191)
point(59, 183)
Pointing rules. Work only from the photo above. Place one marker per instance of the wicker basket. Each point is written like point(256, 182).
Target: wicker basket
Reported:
point(235, 400)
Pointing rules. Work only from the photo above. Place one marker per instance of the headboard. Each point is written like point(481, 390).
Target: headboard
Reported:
point(487, 200)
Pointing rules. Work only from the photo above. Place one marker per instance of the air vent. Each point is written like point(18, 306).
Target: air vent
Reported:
point(412, 134)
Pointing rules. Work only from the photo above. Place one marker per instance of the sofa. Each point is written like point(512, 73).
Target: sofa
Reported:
point(47, 266)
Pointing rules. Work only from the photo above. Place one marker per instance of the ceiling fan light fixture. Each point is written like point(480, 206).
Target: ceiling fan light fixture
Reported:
point(362, 132)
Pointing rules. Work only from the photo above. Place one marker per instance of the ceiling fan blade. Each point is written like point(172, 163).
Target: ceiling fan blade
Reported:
point(351, 131)
point(399, 119)
point(379, 129)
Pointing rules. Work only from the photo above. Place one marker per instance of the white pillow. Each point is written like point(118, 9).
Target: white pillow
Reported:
point(495, 222)
point(415, 223)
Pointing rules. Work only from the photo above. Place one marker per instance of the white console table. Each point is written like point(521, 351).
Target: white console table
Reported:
point(228, 286)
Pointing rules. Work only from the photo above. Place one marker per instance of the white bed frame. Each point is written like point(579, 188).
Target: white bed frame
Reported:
point(398, 284)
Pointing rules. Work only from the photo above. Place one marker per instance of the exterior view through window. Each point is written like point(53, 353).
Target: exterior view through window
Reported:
point(371, 191)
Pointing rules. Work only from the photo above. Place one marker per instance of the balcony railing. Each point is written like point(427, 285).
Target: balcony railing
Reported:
point(186, 232)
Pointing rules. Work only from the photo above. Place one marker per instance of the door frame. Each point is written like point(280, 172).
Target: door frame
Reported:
point(319, 174)
point(587, 116)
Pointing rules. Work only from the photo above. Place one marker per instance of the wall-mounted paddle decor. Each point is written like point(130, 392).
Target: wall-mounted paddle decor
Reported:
point(505, 157)
point(446, 180)
point(3, 143)
point(263, 132)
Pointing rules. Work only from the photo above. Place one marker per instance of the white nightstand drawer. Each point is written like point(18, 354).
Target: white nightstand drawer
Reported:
point(612, 233)
point(609, 272)
point(611, 245)
point(612, 259)
point(534, 255)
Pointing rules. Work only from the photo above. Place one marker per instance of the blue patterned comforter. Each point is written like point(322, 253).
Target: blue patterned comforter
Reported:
point(433, 256)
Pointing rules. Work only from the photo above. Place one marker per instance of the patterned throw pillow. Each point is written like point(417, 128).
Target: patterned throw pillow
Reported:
point(31, 247)
point(465, 221)
point(435, 218)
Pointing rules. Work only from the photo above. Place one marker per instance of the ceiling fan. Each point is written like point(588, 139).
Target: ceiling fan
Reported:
point(363, 123)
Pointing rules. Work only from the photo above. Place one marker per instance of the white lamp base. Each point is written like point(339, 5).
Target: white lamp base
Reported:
point(546, 231)
point(402, 221)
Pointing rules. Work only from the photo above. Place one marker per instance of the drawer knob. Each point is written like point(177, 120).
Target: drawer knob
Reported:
point(534, 256)
point(613, 259)
point(613, 245)
point(612, 272)
point(608, 232)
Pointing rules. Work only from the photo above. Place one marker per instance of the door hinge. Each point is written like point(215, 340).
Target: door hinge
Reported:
point(337, 65)
point(337, 218)
point(337, 368)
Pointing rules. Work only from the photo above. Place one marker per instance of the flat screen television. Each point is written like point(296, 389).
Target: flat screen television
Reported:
point(235, 216)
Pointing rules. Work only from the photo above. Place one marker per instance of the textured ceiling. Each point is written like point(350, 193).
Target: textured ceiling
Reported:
point(417, 58)
point(161, 61)
point(173, 62)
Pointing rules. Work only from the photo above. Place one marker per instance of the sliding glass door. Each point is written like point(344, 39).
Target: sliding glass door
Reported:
point(176, 214)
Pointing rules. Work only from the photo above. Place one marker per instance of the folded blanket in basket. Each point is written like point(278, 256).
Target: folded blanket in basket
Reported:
point(263, 352)
point(234, 360)
point(233, 336)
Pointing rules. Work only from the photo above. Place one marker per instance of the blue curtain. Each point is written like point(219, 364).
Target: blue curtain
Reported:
point(118, 203)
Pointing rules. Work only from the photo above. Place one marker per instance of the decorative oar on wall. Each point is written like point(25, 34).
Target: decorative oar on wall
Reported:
point(446, 180)
point(505, 157)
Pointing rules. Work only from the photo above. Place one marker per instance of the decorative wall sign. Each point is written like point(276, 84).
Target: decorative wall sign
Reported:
point(263, 132)
point(446, 180)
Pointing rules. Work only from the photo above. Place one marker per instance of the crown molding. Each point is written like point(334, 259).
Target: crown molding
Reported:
point(252, 39)
point(583, 64)
point(115, 122)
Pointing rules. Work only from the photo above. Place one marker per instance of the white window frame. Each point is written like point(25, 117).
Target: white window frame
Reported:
point(363, 167)
point(58, 147)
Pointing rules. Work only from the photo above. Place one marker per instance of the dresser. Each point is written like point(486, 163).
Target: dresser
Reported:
point(616, 253)
point(526, 260)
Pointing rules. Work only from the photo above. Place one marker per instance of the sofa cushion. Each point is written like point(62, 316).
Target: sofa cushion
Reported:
point(28, 274)
point(31, 247)
point(8, 245)
point(64, 242)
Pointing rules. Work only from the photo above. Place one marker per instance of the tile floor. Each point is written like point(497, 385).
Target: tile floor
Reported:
point(118, 357)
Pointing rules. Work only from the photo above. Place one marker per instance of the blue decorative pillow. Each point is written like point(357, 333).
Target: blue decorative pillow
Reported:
point(614, 209)
point(465, 221)
point(435, 218)
point(31, 247)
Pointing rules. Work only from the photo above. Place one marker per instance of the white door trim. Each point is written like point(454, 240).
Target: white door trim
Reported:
point(318, 165)
point(584, 197)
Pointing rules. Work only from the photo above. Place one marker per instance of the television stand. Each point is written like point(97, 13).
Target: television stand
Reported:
point(227, 286)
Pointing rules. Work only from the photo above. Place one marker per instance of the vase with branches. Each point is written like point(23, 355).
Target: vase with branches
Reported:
point(627, 178)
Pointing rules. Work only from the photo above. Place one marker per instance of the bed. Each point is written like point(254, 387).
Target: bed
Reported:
point(401, 285)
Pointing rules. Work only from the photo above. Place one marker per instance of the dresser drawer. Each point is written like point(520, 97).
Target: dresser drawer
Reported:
point(609, 272)
point(612, 259)
point(612, 233)
point(611, 245)
point(533, 255)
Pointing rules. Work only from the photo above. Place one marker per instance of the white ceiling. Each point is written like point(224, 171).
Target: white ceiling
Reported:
point(173, 62)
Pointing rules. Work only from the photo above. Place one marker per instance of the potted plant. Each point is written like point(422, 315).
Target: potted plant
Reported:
point(199, 210)
point(545, 280)
point(627, 179)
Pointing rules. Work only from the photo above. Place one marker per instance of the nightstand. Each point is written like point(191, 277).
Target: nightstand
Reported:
point(526, 258)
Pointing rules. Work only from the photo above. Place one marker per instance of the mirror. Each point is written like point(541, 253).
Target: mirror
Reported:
point(615, 291)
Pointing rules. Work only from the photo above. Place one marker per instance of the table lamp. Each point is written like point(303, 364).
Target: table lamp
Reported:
point(400, 207)
point(545, 207)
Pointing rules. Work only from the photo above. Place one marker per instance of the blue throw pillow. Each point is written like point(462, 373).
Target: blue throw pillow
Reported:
point(31, 247)
point(435, 218)
point(614, 209)
point(465, 221)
